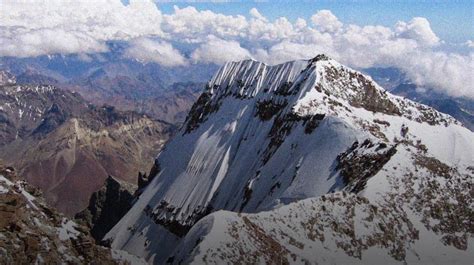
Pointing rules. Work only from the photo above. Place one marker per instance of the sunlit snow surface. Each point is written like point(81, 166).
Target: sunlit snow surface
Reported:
point(227, 162)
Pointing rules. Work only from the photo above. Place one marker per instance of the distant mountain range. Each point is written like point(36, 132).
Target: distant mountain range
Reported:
point(67, 147)
point(152, 89)
point(110, 79)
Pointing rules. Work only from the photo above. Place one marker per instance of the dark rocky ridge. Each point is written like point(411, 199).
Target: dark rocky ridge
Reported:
point(461, 109)
point(106, 207)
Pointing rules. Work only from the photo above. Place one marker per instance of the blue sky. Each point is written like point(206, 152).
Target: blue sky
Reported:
point(452, 21)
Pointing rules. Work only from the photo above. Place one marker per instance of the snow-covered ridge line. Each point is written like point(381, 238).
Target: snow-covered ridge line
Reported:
point(320, 85)
point(11, 89)
point(250, 76)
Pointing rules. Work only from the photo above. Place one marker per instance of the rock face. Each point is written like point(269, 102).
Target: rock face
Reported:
point(106, 207)
point(67, 147)
point(33, 233)
point(305, 162)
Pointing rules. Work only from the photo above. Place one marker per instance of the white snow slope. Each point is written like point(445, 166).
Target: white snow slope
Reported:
point(269, 141)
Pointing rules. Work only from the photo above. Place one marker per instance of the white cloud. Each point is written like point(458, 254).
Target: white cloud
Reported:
point(449, 73)
point(469, 43)
point(37, 28)
point(326, 21)
point(191, 25)
point(147, 50)
point(255, 14)
point(418, 29)
point(300, 23)
point(220, 51)
point(22, 43)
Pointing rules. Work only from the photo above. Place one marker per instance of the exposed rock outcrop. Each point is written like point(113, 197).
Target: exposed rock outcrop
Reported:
point(106, 207)
point(33, 233)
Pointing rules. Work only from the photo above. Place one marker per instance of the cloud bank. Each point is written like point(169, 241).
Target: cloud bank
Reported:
point(220, 51)
point(49, 26)
point(161, 52)
point(39, 28)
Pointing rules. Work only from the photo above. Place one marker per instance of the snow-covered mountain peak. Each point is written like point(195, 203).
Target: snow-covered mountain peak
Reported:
point(262, 78)
point(248, 78)
point(306, 88)
point(261, 137)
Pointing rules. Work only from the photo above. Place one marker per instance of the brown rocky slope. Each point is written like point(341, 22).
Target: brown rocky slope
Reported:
point(33, 233)
point(68, 147)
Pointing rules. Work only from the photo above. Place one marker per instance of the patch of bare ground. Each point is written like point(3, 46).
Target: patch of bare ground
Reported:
point(434, 166)
point(391, 228)
point(446, 206)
